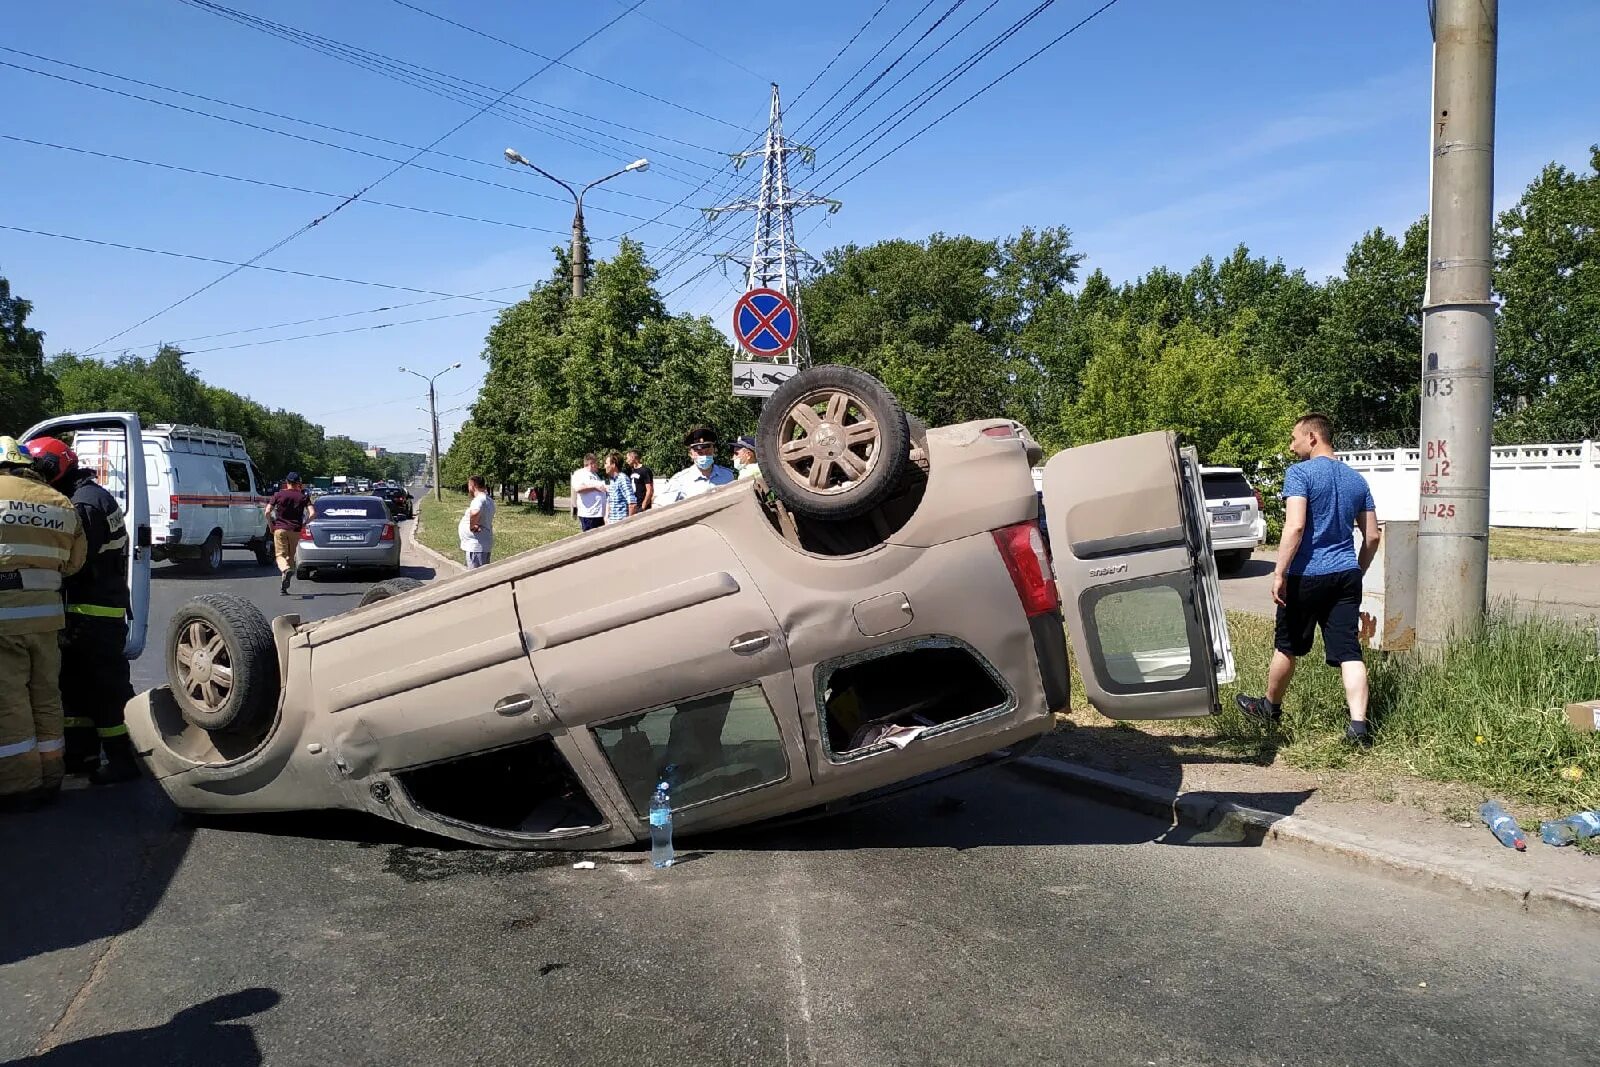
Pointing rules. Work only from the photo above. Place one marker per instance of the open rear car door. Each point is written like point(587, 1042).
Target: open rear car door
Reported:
point(118, 462)
point(1132, 546)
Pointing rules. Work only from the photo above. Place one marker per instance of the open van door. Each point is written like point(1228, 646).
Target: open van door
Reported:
point(1132, 545)
point(118, 461)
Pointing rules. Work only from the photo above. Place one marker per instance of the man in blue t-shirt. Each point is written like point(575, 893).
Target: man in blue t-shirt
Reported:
point(1318, 580)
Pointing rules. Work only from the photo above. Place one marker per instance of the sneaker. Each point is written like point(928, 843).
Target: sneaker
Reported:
point(284, 588)
point(1358, 734)
point(1258, 708)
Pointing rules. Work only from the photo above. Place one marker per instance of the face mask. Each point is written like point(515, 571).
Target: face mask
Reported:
point(738, 463)
point(704, 462)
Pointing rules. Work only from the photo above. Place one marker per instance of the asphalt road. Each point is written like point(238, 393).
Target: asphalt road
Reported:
point(987, 919)
point(1563, 590)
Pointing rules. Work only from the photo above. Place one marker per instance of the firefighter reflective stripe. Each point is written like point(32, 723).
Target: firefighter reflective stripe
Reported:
point(97, 610)
point(21, 748)
point(110, 731)
point(116, 544)
point(119, 532)
point(55, 745)
point(34, 611)
point(35, 579)
point(14, 554)
point(77, 722)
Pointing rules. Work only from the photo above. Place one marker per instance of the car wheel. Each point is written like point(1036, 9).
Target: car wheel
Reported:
point(833, 443)
point(1231, 563)
point(384, 590)
point(303, 573)
point(263, 551)
point(221, 663)
point(209, 561)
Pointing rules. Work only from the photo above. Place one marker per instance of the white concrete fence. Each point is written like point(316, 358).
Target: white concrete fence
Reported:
point(1555, 487)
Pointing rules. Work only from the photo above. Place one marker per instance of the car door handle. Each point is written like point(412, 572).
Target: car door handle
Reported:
point(750, 644)
point(514, 705)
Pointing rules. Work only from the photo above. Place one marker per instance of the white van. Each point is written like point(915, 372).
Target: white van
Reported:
point(204, 493)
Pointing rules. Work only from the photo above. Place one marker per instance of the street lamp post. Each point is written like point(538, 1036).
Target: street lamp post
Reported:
point(579, 258)
point(433, 421)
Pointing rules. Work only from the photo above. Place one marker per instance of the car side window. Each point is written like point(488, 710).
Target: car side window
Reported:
point(707, 748)
point(1139, 632)
point(238, 476)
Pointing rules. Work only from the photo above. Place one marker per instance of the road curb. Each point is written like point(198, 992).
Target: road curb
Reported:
point(1266, 827)
point(438, 559)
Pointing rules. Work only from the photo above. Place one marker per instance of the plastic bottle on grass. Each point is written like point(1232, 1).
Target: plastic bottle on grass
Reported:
point(1577, 827)
point(661, 827)
point(1502, 825)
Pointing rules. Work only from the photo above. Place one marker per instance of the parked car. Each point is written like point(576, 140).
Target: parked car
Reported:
point(1237, 525)
point(876, 610)
point(398, 499)
point(203, 492)
point(347, 532)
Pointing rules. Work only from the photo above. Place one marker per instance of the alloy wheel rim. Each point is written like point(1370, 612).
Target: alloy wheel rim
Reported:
point(204, 667)
point(828, 441)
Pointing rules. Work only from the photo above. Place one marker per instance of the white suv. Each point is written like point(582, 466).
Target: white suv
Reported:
point(1237, 525)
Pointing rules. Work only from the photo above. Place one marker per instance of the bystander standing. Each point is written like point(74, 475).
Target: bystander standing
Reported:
point(643, 478)
point(476, 528)
point(744, 458)
point(1318, 579)
point(620, 501)
point(588, 494)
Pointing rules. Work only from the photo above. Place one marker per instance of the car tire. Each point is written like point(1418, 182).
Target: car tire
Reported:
point(209, 561)
point(1231, 563)
point(803, 456)
point(387, 590)
point(222, 664)
point(264, 553)
point(303, 573)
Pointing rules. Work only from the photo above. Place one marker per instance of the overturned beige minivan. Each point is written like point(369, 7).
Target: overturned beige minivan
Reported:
point(878, 609)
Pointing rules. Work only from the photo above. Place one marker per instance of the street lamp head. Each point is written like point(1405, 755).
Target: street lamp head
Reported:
point(455, 366)
point(513, 156)
point(638, 164)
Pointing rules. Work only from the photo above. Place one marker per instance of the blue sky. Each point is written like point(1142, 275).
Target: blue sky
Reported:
point(1160, 132)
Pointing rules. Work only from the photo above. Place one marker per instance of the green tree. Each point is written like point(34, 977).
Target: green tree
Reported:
point(1547, 251)
point(27, 391)
point(1363, 366)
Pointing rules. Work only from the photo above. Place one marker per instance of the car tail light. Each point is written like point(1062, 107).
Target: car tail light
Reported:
point(172, 507)
point(305, 533)
point(1000, 431)
point(388, 532)
point(1257, 492)
point(1022, 548)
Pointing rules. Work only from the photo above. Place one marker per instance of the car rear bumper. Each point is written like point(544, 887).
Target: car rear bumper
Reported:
point(1235, 538)
point(386, 554)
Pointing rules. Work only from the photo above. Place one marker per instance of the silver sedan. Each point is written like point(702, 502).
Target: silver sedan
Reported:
point(346, 532)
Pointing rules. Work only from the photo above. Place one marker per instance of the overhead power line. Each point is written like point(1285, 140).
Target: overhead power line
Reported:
point(842, 50)
point(232, 263)
point(338, 333)
point(352, 198)
point(698, 44)
point(816, 129)
point(587, 73)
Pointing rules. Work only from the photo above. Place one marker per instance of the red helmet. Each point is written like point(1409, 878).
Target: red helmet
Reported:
point(51, 457)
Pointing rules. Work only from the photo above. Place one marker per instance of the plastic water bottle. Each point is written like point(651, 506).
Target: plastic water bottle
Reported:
point(1502, 825)
point(1573, 828)
point(661, 827)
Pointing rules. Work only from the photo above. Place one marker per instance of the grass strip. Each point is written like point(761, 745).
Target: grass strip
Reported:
point(517, 527)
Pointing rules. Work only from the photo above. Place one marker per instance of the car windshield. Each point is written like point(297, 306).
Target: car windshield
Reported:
point(1226, 485)
point(352, 507)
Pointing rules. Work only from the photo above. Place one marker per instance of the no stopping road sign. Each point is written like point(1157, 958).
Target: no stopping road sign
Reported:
point(765, 322)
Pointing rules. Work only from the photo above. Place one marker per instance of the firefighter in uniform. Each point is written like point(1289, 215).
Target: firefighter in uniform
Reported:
point(95, 684)
point(41, 541)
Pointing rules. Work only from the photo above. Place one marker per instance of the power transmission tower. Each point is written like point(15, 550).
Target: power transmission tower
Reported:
point(775, 257)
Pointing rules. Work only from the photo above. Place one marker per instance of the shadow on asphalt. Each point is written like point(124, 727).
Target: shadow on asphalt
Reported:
point(173, 571)
point(89, 867)
point(1253, 568)
point(421, 574)
point(202, 1034)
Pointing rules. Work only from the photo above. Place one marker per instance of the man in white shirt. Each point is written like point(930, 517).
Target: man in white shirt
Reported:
point(704, 472)
point(476, 528)
point(589, 494)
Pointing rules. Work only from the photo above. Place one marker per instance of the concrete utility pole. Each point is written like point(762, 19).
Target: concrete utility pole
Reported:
point(433, 422)
point(580, 257)
point(1458, 317)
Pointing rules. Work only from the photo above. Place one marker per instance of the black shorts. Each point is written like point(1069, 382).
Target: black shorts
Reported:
point(1332, 601)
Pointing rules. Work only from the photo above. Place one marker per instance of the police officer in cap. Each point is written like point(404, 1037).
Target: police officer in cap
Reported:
point(94, 671)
